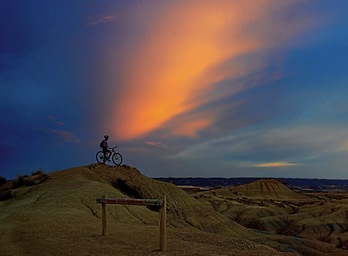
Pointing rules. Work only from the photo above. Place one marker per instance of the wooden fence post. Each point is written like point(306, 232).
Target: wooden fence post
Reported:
point(141, 202)
point(104, 221)
point(162, 224)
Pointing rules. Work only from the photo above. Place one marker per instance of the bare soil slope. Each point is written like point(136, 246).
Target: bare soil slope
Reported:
point(264, 189)
point(270, 206)
point(59, 216)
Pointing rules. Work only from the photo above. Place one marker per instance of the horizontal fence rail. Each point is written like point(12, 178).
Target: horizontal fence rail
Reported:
point(140, 202)
point(130, 201)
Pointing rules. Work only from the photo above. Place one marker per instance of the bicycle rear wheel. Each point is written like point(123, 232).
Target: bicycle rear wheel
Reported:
point(117, 159)
point(100, 157)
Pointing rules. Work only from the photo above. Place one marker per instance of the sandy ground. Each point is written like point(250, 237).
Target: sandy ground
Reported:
point(61, 217)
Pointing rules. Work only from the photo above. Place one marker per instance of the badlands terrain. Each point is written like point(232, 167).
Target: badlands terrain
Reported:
point(57, 214)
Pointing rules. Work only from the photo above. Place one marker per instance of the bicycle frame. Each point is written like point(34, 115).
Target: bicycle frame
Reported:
point(113, 155)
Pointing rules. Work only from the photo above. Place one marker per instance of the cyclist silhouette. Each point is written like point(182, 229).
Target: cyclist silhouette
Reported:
point(107, 153)
point(104, 145)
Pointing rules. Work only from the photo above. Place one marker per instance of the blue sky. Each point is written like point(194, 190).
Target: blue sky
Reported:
point(184, 88)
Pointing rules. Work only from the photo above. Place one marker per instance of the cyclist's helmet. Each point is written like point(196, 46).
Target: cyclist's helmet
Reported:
point(106, 136)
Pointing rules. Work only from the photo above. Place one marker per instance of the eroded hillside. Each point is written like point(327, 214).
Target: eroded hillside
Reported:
point(270, 206)
point(59, 216)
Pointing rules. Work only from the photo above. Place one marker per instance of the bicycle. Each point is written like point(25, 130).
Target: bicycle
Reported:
point(116, 158)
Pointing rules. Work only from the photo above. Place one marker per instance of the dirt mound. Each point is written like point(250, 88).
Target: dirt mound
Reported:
point(60, 217)
point(267, 189)
point(271, 207)
point(183, 209)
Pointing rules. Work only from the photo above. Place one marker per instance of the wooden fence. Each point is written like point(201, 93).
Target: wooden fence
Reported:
point(141, 202)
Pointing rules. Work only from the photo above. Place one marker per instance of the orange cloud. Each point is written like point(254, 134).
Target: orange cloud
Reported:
point(344, 146)
point(275, 164)
point(190, 128)
point(183, 53)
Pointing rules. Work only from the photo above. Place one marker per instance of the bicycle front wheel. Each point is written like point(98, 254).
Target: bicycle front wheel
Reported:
point(100, 157)
point(117, 159)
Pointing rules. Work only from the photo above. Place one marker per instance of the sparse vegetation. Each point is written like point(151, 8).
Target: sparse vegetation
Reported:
point(19, 181)
point(67, 207)
point(36, 178)
point(38, 172)
point(7, 190)
point(2, 180)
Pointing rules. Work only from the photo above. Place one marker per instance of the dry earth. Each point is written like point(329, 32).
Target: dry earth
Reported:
point(270, 206)
point(57, 215)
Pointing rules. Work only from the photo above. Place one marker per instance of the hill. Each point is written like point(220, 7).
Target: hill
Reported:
point(294, 183)
point(270, 206)
point(59, 216)
point(266, 189)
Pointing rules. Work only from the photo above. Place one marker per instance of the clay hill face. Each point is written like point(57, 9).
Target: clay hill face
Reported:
point(268, 205)
point(56, 214)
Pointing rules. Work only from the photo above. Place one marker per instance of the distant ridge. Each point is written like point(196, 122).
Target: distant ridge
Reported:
point(266, 189)
point(296, 183)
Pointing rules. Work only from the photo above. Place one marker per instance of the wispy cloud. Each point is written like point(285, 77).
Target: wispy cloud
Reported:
point(272, 164)
point(59, 136)
point(344, 145)
point(93, 20)
point(271, 147)
point(55, 121)
point(159, 144)
point(189, 51)
point(65, 136)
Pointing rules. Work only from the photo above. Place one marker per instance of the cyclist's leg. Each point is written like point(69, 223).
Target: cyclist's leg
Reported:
point(109, 154)
point(105, 151)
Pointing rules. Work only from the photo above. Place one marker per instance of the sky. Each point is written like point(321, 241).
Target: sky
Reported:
point(186, 88)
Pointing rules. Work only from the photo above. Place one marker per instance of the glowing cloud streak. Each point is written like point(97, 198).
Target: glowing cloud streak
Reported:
point(184, 52)
point(274, 164)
